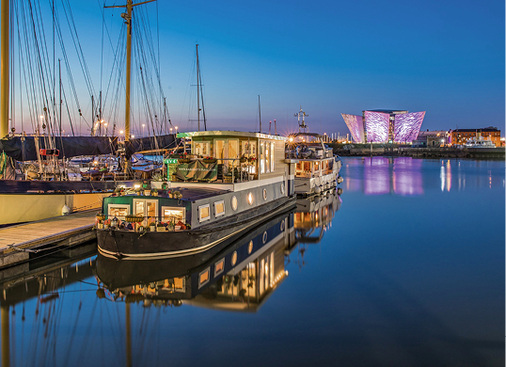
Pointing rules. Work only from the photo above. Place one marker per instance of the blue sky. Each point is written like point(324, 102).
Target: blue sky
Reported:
point(331, 57)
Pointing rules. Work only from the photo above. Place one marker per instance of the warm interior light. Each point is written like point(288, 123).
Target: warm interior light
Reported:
point(250, 198)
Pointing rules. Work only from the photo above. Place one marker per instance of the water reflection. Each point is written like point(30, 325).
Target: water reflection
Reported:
point(238, 278)
point(383, 175)
point(313, 216)
point(407, 176)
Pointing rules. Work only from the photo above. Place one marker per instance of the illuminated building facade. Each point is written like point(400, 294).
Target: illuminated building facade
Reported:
point(383, 126)
point(462, 136)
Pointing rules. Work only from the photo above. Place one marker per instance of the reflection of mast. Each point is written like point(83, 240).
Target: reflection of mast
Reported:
point(4, 72)
point(128, 336)
point(5, 334)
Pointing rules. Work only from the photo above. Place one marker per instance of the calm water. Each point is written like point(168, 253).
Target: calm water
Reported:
point(405, 268)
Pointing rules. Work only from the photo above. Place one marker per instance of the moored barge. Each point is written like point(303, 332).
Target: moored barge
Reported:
point(231, 182)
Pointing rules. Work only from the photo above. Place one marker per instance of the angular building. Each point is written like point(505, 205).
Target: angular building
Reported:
point(383, 126)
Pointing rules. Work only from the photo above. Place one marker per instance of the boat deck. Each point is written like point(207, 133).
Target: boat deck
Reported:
point(19, 241)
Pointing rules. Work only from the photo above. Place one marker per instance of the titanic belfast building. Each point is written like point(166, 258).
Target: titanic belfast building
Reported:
point(383, 126)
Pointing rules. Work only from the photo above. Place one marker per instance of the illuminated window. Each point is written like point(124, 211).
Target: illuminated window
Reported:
point(173, 214)
point(272, 157)
point(179, 284)
point(250, 247)
point(146, 208)
point(219, 208)
point(219, 266)
point(234, 258)
point(250, 198)
point(262, 157)
point(234, 203)
point(201, 149)
point(204, 277)
point(267, 157)
point(118, 211)
point(204, 213)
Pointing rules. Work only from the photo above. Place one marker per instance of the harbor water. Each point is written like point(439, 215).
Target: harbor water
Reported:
point(404, 268)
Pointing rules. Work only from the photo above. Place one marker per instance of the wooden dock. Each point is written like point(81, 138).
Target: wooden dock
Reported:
point(18, 243)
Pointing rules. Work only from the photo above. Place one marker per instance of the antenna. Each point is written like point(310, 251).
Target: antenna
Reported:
point(259, 115)
point(300, 119)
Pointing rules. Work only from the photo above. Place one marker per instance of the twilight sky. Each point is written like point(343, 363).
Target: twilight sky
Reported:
point(331, 57)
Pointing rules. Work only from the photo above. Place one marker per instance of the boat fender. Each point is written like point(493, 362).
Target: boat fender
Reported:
point(65, 210)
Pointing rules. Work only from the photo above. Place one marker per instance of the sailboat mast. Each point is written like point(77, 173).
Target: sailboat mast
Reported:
point(4, 70)
point(198, 87)
point(128, 21)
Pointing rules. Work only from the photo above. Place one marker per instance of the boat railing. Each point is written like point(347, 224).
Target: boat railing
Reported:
point(141, 224)
point(225, 170)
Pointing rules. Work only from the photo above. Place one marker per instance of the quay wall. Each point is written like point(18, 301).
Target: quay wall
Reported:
point(358, 150)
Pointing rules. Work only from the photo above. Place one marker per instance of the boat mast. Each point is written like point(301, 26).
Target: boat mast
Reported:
point(128, 21)
point(198, 87)
point(4, 71)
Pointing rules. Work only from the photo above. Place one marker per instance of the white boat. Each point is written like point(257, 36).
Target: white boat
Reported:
point(317, 168)
point(229, 183)
point(479, 142)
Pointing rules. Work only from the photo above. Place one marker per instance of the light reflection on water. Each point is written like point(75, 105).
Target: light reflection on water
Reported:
point(405, 268)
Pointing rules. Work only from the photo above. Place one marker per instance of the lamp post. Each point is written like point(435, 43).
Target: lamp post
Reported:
point(143, 126)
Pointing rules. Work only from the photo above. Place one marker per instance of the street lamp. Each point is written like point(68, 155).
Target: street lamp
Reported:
point(143, 126)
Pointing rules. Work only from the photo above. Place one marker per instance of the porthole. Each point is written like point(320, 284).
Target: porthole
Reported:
point(250, 198)
point(282, 226)
point(264, 194)
point(282, 188)
point(234, 203)
point(234, 258)
point(250, 247)
point(264, 237)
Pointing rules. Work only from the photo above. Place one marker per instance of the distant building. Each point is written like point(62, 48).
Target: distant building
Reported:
point(462, 136)
point(428, 138)
point(383, 126)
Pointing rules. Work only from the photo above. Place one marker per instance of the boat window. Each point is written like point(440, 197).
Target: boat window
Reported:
point(249, 148)
point(179, 284)
point(234, 203)
point(250, 247)
point(250, 198)
point(219, 208)
point(234, 258)
point(118, 211)
point(203, 277)
point(204, 213)
point(264, 194)
point(201, 148)
point(272, 157)
point(219, 266)
point(267, 157)
point(219, 149)
point(173, 214)
point(233, 149)
point(262, 157)
point(146, 208)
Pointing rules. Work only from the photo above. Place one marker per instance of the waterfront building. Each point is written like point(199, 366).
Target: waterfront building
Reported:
point(462, 136)
point(437, 138)
point(384, 126)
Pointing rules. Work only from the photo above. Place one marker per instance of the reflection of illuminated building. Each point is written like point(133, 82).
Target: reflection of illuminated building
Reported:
point(238, 278)
point(381, 175)
point(382, 126)
point(314, 215)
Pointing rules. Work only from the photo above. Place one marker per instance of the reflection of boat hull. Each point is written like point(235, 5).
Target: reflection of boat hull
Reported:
point(118, 273)
point(133, 245)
